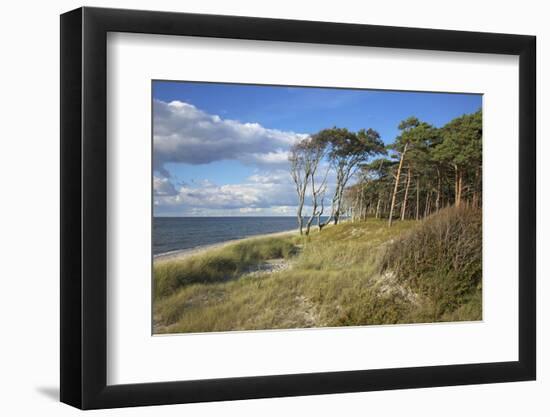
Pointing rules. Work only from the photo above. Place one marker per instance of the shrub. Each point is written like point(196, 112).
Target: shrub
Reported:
point(441, 259)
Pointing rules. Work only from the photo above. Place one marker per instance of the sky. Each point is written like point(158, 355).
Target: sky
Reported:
point(222, 149)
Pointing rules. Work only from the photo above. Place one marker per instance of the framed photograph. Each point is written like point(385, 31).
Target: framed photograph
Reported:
point(258, 208)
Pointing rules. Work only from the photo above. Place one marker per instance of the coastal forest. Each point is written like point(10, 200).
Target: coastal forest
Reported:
point(424, 170)
point(387, 233)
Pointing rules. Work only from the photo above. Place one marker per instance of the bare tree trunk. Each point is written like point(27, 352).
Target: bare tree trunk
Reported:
point(427, 204)
point(377, 215)
point(335, 206)
point(310, 221)
point(475, 198)
point(314, 208)
point(458, 188)
point(301, 198)
point(417, 199)
point(300, 171)
point(404, 207)
point(438, 197)
point(300, 218)
point(354, 208)
point(361, 205)
point(337, 213)
point(456, 185)
point(320, 213)
point(317, 192)
point(390, 218)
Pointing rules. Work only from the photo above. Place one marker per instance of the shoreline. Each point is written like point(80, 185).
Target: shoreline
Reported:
point(185, 253)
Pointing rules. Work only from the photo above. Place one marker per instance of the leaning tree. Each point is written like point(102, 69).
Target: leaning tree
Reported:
point(300, 171)
point(346, 151)
point(411, 147)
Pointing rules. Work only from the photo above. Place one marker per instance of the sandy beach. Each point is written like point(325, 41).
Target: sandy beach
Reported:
point(184, 253)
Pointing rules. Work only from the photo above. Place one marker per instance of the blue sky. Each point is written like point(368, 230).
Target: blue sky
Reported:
point(226, 134)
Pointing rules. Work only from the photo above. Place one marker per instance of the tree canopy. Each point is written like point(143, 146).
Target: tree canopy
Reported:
point(424, 169)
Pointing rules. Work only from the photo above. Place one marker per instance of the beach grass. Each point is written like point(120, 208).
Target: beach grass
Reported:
point(355, 273)
point(218, 265)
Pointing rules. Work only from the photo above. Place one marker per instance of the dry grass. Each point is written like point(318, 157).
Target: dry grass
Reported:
point(343, 276)
point(218, 265)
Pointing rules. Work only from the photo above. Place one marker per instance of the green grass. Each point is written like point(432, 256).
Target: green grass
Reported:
point(442, 262)
point(346, 275)
point(218, 265)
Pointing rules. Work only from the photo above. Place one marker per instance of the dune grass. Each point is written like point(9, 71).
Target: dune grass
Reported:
point(350, 274)
point(218, 265)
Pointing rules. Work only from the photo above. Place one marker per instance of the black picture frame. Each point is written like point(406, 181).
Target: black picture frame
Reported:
point(84, 207)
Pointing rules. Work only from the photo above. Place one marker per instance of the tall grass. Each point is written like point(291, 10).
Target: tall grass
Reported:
point(217, 265)
point(352, 274)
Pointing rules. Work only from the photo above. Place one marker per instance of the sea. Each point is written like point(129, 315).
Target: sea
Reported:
point(179, 233)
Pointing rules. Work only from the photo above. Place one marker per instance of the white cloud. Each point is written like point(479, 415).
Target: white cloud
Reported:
point(163, 187)
point(284, 210)
point(185, 134)
point(246, 210)
point(261, 192)
point(278, 176)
